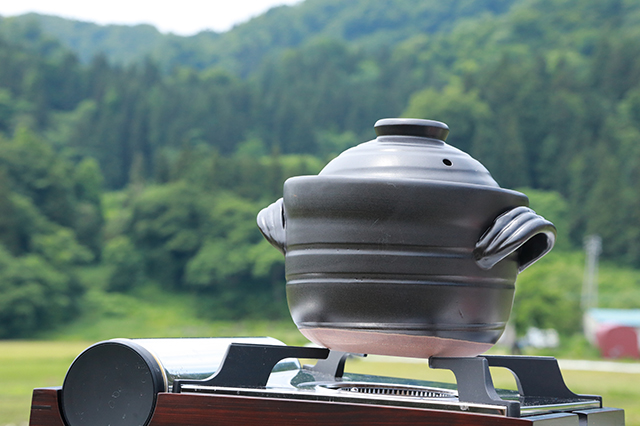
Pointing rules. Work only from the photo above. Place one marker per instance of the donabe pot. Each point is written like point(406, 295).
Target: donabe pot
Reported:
point(404, 246)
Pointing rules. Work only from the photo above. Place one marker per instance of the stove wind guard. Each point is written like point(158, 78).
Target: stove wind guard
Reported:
point(542, 394)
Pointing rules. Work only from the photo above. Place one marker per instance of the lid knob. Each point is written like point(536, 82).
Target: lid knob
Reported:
point(412, 127)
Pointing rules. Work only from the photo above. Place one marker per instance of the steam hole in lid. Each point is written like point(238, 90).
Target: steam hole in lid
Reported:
point(447, 162)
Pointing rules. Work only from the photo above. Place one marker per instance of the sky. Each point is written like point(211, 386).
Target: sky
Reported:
point(183, 17)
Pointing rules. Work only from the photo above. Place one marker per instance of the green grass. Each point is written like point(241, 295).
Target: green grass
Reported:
point(111, 315)
point(150, 312)
point(26, 365)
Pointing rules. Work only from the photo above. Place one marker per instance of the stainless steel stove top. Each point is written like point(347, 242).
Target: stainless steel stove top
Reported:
point(303, 383)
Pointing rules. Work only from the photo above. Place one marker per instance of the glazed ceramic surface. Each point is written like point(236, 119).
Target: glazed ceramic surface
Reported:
point(404, 245)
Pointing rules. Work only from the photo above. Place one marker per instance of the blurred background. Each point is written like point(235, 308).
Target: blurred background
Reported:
point(133, 163)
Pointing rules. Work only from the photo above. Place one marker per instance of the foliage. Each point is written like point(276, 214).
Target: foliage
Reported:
point(548, 295)
point(166, 224)
point(35, 295)
point(527, 96)
point(192, 138)
point(126, 263)
point(247, 45)
point(39, 237)
point(553, 207)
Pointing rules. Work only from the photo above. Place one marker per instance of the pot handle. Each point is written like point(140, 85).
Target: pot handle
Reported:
point(271, 221)
point(519, 229)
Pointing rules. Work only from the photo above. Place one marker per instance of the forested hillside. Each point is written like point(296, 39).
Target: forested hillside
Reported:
point(152, 164)
point(372, 23)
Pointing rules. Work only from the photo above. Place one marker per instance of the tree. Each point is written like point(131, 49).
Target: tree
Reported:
point(236, 265)
point(37, 172)
point(126, 262)
point(463, 111)
point(35, 296)
point(168, 224)
point(548, 296)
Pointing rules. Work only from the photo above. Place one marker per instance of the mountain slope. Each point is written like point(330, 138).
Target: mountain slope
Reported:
point(243, 48)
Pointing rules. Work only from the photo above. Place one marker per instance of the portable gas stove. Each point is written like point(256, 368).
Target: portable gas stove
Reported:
point(128, 382)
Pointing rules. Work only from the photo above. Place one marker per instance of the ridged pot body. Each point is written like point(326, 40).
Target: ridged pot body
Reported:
point(403, 246)
point(374, 256)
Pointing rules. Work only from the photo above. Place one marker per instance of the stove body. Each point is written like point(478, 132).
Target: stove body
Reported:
point(266, 384)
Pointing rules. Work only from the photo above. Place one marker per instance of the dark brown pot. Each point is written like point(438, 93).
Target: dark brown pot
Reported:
point(404, 246)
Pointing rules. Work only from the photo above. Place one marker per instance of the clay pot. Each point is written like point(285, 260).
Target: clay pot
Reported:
point(404, 246)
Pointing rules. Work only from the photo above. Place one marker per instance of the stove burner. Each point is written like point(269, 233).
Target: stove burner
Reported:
point(382, 389)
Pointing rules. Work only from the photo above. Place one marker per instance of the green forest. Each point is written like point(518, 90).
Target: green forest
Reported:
point(145, 157)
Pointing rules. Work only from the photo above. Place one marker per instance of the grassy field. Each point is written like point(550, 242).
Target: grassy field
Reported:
point(26, 365)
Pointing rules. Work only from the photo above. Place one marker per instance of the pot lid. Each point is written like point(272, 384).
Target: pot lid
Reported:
point(410, 148)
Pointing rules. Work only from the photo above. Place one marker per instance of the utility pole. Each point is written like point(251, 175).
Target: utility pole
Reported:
point(592, 247)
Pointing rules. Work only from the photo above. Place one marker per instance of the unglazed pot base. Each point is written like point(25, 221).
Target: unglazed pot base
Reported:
point(393, 344)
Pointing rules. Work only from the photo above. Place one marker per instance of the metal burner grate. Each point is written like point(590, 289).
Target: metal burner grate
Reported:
point(380, 389)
